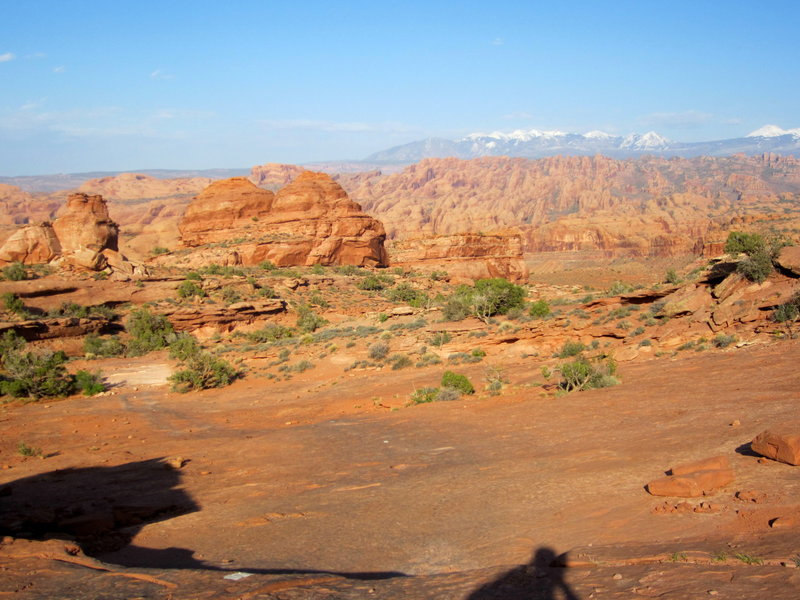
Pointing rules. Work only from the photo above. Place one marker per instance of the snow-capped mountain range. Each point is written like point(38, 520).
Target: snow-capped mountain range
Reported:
point(534, 143)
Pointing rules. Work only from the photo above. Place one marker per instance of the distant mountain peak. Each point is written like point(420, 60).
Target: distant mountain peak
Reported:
point(773, 131)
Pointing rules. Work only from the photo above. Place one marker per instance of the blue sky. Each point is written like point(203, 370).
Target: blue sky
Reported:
point(123, 85)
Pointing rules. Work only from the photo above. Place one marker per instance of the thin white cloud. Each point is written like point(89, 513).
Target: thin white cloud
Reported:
point(8, 56)
point(518, 115)
point(498, 42)
point(159, 74)
point(340, 127)
point(688, 119)
point(59, 69)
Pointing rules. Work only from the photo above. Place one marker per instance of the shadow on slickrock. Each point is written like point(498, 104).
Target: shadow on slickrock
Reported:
point(538, 580)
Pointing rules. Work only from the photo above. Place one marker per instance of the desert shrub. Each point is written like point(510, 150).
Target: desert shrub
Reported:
point(582, 374)
point(723, 340)
point(788, 313)
point(24, 450)
point(270, 333)
point(15, 272)
point(439, 275)
point(404, 293)
point(456, 309)
point(428, 359)
point(230, 295)
point(36, 375)
point(308, 321)
point(645, 343)
point(400, 361)
point(478, 353)
point(458, 382)
point(303, 365)
point(351, 270)
point(370, 283)
point(189, 289)
point(571, 348)
point(94, 345)
point(756, 267)
point(148, 332)
point(488, 297)
point(539, 309)
point(316, 299)
point(440, 338)
point(618, 288)
point(159, 250)
point(70, 309)
point(193, 276)
point(378, 351)
point(267, 265)
point(89, 383)
point(447, 394)
point(203, 370)
point(266, 291)
point(740, 242)
point(671, 277)
point(10, 342)
point(424, 395)
point(183, 347)
point(14, 304)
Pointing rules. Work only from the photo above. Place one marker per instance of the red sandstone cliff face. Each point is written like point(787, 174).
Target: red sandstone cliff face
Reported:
point(85, 224)
point(648, 206)
point(310, 221)
point(468, 256)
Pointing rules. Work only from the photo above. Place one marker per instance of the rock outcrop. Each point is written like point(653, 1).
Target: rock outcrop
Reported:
point(310, 221)
point(694, 479)
point(464, 256)
point(83, 237)
point(779, 444)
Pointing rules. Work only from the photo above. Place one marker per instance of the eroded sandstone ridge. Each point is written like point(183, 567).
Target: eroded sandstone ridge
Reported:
point(310, 221)
point(83, 237)
point(465, 256)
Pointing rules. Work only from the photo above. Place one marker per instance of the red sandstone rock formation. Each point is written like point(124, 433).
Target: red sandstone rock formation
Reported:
point(465, 256)
point(85, 224)
point(30, 245)
point(647, 206)
point(310, 221)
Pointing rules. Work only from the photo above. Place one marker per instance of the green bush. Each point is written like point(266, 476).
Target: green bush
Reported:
point(424, 395)
point(15, 272)
point(457, 382)
point(400, 361)
point(189, 289)
point(36, 375)
point(270, 333)
point(370, 283)
point(723, 340)
point(671, 277)
point(440, 338)
point(183, 347)
point(69, 309)
point(14, 304)
point(739, 242)
point(582, 374)
point(571, 348)
point(203, 370)
point(193, 276)
point(404, 293)
point(148, 332)
point(159, 250)
point(10, 342)
point(308, 321)
point(89, 383)
point(539, 309)
point(756, 267)
point(94, 345)
point(488, 297)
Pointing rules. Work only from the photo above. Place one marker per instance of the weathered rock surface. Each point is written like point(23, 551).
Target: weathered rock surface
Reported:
point(310, 221)
point(779, 444)
point(222, 318)
point(789, 259)
point(691, 485)
point(30, 245)
point(708, 464)
point(47, 329)
point(647, 206)
point(85, 223)
point(464, 256)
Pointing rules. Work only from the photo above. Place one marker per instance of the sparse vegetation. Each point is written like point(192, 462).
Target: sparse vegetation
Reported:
point(584, 374)
point(148, 332)
point(458, 382)
point(571, 348)
point(308, 321)
point(15, 272)
point(488, 297)
point(36, 375)
point(539, 309)
point(90, 384)
point(378, 351)
point(95, 346)
point(189, 289)
point(29, 451)
point(759, 251)
point(203, 370)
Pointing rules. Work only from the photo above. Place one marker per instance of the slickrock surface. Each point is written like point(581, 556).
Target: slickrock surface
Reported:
point(310, 221)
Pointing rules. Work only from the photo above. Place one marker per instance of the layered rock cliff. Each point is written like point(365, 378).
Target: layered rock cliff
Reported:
point(647, 206)
point(310, 221)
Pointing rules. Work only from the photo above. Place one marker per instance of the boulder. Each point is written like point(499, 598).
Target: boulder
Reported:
point(31, 245)
point(691, 485)
point(779, 444)
point(707, 464)
point(789, 260)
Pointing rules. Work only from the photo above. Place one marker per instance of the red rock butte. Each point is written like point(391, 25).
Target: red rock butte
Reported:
point(310, 221)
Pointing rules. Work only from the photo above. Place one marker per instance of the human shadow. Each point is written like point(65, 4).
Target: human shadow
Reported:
point(540, 579)
point(103, 508)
